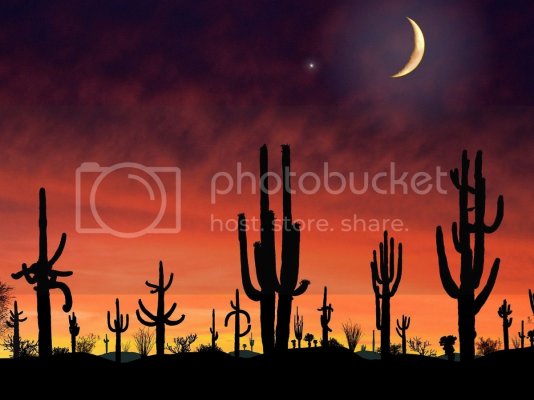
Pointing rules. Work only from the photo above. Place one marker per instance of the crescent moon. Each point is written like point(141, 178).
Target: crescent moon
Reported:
point(417, 52)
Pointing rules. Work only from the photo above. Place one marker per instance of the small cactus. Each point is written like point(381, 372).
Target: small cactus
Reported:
point(213, 331)
point(530, 335)
point(447, 342)
point(106, 342)
point(298, 327)
point(503, 312)
point(74, 330)
point(521, 334)
point(118, 327)
point(294, 343)
point(326, 315)
point(236, 313)
point(14, 322)
point(251, 342)
point(401, 331)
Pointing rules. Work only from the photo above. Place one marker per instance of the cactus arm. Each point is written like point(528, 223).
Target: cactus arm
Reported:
point(399, 332)
point(56, 274)
point(145, 310)
point(127, 323)
point(168, 285)
point(26, 273)
point(144, 321)
point(377, 308)
point(9, 324)
point(445, 274)
point(253, 293)
point(303, 286)
point(228, 316)
point(109, 323)
point(399, 269)
point(176, 322)
point(374, 270)
point(455, 238)
point(66, 293)
point(391, 260)
point(246, 331)
point(59, 250)
point(498, 217)
point(455, 178)
point(484, 294)
point(409, 321)
point(531, 298)
point(153, 286)
point(168, 314)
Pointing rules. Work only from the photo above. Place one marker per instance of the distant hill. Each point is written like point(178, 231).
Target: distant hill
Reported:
point(245, 354)
point(126, 356)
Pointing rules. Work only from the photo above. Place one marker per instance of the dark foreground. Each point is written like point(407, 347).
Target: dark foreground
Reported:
point(306, 371)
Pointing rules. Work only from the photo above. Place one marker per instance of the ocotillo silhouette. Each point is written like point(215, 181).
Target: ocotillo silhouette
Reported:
point(14, 322)
point(236, 313)
point(521, 334)
point(384, 275)
point(504, 312)
point(401, 331)
point(162, 317)
point(265, 260)
point(45, 278)
point(118, 327)
point(213, 331)
point(106, 342)
point(74, 330)
point(326, 315)
point(298, 327)
point(471, 260)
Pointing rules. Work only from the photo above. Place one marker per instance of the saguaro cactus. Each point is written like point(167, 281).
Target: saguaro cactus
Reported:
point(384, 276)
point(471, 260)
point(521, 334)
point(106, 342)
point(251, 342)
point(162, 317)
point(326, 315)
point(401, 330)
point(118, 327)
point(265, 260)
point(298, 327)
point(237, 311)
point(531, 299)
point(504, 311)
point(213, 331)
point(14, 323)
point(74, 330)
point(44, 277)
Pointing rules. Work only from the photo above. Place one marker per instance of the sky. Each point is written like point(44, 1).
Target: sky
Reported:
point(198, 87)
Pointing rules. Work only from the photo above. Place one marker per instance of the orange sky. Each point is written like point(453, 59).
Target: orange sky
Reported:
point(201, 89)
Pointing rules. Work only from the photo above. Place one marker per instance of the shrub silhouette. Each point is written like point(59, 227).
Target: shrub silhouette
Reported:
point(472, 259)
point(447, 342)
point(182, 344)
point(162, 317)
point(309, 338)
point(265, 260)
point(45, 278)
point(384, 275)
point(353, 334)
point(14, 322)
point(487, 346)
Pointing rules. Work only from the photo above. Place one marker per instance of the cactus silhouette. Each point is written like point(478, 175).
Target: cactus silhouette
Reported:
point(106, 342)
point(374, 341)
point(326, 314)
point(118, 327)
point(472, 260)
point(447, 342)
point(237, 311)
point(531, 298)
point(74, 331)
point(265, 260)
point(503, 312)
point(401, 331)
point(521, 334)
point(384, 276)
point(298, 326)
point(14, 322)
point(309, 338)
point(162, 317)
point(213, 331)
point(45, 278)
point(530, 335)
point(251, 342)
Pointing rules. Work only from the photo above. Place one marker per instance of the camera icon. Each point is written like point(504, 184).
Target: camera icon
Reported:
point(161, 183)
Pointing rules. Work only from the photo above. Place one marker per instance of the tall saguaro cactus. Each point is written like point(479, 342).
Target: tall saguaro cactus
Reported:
point(471, 259)
point(213, 331)
point(236, 313)
point(298, 327)
point(162, 317)
point(45, 278)
point(401, 331)
point(265, 260)
point(74, 330)
point(504, 312)
point(118, 327)
point(14, 322)
point(326, 315)
point(521, 334)
point(384, 275)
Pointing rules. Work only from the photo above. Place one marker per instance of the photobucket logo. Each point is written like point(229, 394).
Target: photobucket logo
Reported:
point(332, 182)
